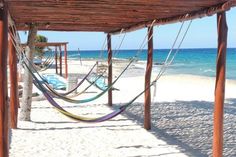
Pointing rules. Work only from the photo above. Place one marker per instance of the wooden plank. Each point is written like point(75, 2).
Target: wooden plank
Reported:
point(44, 44)
point(60, 60)
point(109, 49)
point(147, 98)
point(66, 66)
point(56, 60)
point(14, 99)
point(4, 128)
point(220, 85)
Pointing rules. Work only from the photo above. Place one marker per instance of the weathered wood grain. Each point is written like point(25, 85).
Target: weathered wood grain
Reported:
point(104, 15)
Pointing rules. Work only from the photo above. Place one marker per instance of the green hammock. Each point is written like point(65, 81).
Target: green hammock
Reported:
point(77, 117)
point(99, 82)
point(54, 92)
point(110, 115)
point(98, 95)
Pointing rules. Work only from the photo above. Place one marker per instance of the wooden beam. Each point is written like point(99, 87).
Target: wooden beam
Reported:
point(14, 99)
point(147, 99)
point(220, 85)
point(25, 110)
point(56, 60)
point(60, 60)
point(44, 44)
point(65, 56)
point(4, 128)
point(109, 49)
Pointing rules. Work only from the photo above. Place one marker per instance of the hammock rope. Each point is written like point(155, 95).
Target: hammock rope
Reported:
point(102, 49)
point(135, 58)
point(76, 117)
point(142, 45)
point(168, 55)
point(109, 87)
point(116, 51)
point(110, 115)
point(46, 64)
point(96, 96)
point(176, 51)
point(166, 63)
point(45, 82)
point(64, 95)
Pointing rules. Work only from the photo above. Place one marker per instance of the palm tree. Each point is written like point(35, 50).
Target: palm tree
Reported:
point(39, 51)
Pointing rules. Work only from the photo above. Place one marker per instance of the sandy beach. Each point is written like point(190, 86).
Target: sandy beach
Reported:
point(182, 116)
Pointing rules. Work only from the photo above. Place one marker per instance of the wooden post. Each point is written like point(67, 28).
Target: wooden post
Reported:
point(220, 85)
point(4, 128)
point(147, 99)
point(66, 66)
point(14, 99)
point(25, 109)
point(109, 68)
point(56, 60)
point(60, 60)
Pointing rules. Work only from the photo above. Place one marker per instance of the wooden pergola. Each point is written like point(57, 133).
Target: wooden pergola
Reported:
point(56, 45)
point(110, 17)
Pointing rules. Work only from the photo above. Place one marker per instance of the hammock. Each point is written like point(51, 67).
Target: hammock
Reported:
point(81, 118)
point(99, 83)
point(45, 65)
point(62, 95)
point(95, 97)
point(65, 95)
point(120, 109)
point(47, 60)
point(108, 88)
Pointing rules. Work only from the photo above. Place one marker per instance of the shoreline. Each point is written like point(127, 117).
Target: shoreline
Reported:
point(140, 64)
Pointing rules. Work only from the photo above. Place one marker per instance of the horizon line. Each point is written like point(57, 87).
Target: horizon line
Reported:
point(146, 49)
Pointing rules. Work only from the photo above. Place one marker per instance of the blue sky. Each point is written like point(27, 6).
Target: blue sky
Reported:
point(202, 34)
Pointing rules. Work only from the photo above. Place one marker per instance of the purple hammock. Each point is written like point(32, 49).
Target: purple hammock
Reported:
point(79, 118)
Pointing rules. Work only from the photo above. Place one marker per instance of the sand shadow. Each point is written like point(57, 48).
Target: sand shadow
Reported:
point(189, 124)
point(78, 127)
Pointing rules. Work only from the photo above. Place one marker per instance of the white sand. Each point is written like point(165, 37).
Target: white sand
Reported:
point(181, 121)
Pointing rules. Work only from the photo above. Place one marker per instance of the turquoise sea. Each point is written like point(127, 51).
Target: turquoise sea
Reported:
point(187, 61)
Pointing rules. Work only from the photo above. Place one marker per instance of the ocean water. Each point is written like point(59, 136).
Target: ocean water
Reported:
point(187, 61)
